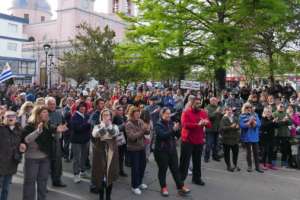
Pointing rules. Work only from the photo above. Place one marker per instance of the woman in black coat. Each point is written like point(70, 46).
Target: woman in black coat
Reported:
point(165, 153)
point(119, 119)
point(11, 150)
point(268, 139)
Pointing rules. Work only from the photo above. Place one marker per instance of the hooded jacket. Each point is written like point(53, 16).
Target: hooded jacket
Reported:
point(249, 134)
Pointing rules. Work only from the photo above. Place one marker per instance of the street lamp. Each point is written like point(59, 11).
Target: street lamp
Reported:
point(47, 48)
point(51, 62)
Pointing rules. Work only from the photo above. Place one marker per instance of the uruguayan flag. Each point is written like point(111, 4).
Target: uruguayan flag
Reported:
point(6, 73)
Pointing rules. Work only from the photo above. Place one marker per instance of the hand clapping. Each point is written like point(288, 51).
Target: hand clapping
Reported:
point(61, 128)
point(40, 127)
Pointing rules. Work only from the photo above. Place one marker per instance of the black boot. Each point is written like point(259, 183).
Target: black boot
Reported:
point(101, 194)
point(108, 192)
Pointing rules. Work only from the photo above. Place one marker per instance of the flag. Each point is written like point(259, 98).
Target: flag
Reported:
point(6, 73)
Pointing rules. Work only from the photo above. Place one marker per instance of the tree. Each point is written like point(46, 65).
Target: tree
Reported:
point(271, 33)
point(93, 50)
point(157, 40)
point(73, 66)
point(174, 36)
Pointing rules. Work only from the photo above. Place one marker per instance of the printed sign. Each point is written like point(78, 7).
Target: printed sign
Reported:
point(190, 85)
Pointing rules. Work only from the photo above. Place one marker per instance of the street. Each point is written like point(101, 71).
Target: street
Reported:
point(283, 184)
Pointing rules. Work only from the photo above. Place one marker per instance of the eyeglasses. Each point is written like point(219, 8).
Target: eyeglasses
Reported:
point(11, 116)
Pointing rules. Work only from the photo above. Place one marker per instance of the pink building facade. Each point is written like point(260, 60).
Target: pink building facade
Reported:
point(58, 32)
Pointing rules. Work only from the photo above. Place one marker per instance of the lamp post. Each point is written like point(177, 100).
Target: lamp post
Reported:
point(50, 69)
point(47, 48)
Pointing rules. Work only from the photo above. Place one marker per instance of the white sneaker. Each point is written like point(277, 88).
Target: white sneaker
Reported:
point(143, 187)
point(77, 179)
point(83, 175)
point(136, 191)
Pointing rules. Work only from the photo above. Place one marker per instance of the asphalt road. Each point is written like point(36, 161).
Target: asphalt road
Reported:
point(283, 184)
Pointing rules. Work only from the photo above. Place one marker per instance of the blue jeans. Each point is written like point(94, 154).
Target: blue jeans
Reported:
point(4, 186)
point(211, 145)
point(138, 166)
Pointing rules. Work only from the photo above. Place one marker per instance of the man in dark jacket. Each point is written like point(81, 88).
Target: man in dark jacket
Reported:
point(153, 109)
point(55, 119)
point(81, 134)
point(212, 134)
point(66, 112)
point(120, 119)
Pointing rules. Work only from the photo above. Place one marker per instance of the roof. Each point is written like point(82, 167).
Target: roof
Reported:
point(41, 5)
point(17, 59)
point(14, 18)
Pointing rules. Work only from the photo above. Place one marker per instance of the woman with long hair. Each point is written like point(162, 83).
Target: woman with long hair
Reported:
point(25, 113)
point(250, 124)
point(106, 167)
point(40, 101)
point(136, 130)
point(145, 116)
point(38, 135)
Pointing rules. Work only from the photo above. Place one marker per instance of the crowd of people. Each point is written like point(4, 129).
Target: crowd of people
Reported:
point(105, 129)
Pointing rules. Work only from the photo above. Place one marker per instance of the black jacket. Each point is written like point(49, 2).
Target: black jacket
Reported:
point(81, 129)
point(44, 140)
point(9, 146)
point(268, 129)
point(165, 136)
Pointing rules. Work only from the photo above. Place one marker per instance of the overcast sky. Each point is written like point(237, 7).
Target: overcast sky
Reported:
point(100, 5)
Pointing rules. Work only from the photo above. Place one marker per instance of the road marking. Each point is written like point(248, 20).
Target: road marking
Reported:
point(74, 196)
point(18, 179)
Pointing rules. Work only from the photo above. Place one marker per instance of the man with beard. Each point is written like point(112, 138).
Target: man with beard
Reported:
point(193, 120)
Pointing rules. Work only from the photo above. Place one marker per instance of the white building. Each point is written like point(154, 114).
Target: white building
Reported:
point(11, 40)
point(58, 32)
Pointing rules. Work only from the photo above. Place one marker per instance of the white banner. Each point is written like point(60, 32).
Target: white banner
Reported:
point(190, 85)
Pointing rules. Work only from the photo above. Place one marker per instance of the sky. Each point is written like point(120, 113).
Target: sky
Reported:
point(100, 6)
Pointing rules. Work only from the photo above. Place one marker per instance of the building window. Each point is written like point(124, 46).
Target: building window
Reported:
point(115, 6)
point(12, 28)
point(12, 46)
point(42, 18)
point(128, 8)
point(26, 16)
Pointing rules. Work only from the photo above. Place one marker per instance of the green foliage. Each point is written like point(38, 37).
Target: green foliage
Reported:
point(270, 32)
point(73, 66)
point(170, 37)
point(92, 54)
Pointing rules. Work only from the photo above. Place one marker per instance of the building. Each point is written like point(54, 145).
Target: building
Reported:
point(11, 40)
point(41, 29)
